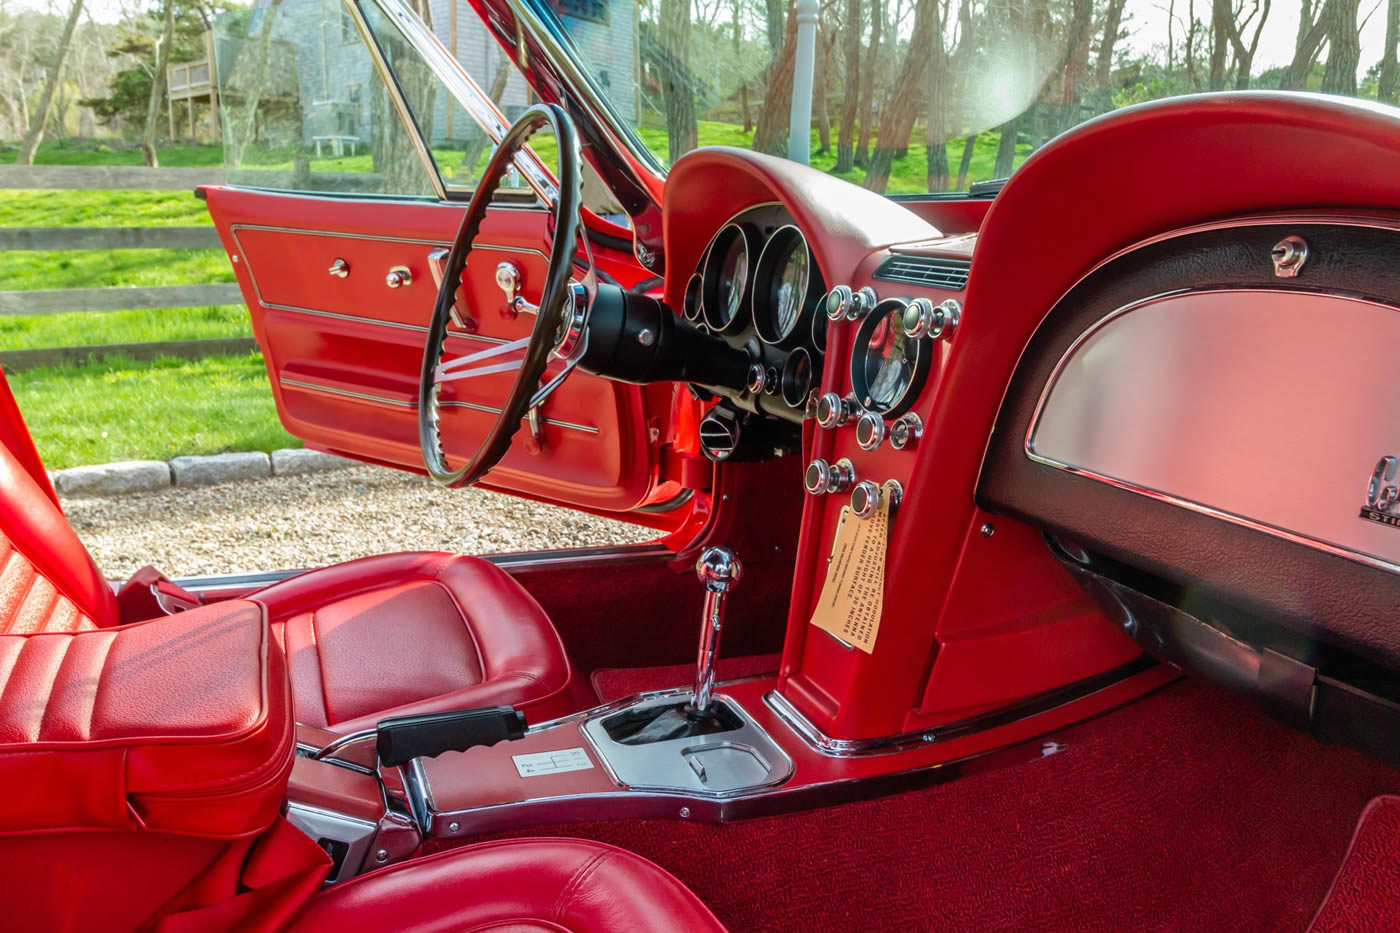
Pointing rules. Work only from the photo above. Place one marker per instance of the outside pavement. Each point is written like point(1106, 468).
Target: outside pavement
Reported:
point(320, 518)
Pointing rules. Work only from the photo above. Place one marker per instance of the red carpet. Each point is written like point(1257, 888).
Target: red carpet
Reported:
point(613, 683)
point(1366, 892)
point(1189, 810)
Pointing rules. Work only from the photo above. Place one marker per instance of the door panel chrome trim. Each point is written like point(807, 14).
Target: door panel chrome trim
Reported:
point(1103, 449)
point(406, 404)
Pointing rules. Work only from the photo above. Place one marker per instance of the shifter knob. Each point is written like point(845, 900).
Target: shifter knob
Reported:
point(719, 569)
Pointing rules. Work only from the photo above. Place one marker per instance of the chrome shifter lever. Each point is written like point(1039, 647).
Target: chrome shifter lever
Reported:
point(720, 570)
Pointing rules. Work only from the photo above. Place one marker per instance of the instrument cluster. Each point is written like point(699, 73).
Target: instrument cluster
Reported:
point(758, 287)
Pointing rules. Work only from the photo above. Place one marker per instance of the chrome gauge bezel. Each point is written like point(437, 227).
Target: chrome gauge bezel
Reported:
point(692, 306)
point(750, 238)
point(784, 243)
point(795, 386)
point(923, 360)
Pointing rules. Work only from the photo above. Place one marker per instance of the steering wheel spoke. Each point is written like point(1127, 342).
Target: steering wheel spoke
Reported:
point(453, 370)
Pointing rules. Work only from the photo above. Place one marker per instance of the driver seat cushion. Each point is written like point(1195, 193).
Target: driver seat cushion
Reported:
point(515, 885)
point(414, 633)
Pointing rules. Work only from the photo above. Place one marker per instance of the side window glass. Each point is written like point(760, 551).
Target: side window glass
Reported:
point(303, 108)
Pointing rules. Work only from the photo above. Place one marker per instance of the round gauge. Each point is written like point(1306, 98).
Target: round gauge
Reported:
point(692, 297)
point(819, 322)
point(887, 368)
point(728, 279)
point(787, 286)
point(797, 378)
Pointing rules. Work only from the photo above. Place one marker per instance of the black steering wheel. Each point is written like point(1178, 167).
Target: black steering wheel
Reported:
point(561, 317)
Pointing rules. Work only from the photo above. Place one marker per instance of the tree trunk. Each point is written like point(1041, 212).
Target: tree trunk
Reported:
point(867, 84)
point(845, 139)
point(1006, 148)
point(902, 102)
point(1310, 35)
point(36, 127)
point(965, 163)
point(823, 68)
point(1220, 14)
point(478, 145)
point(743, 88)
point(148, 135)
point(772, 132)
point(677, 93)
point(1386, 91)
point(1343, 48)
point(1103, 68)
point(773, 12)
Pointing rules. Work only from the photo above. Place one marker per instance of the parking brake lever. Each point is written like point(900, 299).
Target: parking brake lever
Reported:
point(400, 739)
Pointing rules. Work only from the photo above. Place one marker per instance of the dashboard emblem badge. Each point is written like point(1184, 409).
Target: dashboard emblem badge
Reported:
point(1382, 497)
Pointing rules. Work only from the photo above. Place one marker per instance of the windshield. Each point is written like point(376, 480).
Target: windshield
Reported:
point(913, 96)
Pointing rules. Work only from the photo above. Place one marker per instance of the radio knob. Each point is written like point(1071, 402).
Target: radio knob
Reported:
point(832, 410)
point(906, 431)
point(922, 318)
point(870, 431)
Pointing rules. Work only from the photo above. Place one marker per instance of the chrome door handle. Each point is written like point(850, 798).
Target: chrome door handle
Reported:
point(340, 268)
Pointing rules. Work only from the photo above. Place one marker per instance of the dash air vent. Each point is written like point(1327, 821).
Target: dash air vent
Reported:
point(719, 435)
point(928, 271)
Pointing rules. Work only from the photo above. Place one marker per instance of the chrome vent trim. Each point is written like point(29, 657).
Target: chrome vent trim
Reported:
point(928, 271)
point(719, 436)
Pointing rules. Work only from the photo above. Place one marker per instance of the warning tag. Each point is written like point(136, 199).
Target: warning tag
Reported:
point(854, 591)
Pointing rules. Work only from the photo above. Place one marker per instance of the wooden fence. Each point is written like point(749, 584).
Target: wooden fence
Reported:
point(116, 298)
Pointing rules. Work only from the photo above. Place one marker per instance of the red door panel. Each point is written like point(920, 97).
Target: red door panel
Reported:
point(343, 354)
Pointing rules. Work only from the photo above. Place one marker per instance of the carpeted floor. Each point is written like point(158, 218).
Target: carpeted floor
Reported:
point(1366, 892)
point(1189, 810)
point(614, 683)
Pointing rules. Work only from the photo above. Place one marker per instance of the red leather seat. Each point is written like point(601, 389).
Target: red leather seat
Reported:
point(416, 632)
point(517, 885)
point(390, 635)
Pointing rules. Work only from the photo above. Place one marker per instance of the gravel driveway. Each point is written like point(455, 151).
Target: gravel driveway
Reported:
point(320, 518)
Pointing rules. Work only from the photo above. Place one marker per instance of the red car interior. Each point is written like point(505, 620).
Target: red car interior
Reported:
point(1119, 673)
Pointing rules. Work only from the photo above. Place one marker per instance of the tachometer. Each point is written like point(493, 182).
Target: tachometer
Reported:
point(728, 280)
point(787, 286)
point(887, 368)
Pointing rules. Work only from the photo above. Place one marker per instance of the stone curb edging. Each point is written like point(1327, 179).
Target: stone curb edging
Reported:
point(108, 479)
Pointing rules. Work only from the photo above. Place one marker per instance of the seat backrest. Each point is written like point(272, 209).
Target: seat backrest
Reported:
point(48, 581)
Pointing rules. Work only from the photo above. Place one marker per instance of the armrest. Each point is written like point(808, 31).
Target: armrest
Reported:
point(181, 724)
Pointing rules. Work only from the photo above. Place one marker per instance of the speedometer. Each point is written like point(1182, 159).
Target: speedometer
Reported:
point(787, 286)
point(728, 279)
point(887, 368)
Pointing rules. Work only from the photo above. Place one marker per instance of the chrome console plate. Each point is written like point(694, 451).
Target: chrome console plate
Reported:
point(725, 764)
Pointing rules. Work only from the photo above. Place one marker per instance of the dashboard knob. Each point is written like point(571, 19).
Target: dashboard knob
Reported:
point(757, 379)
point(906, 431)
point(922, 318)
point(838, 302)
point(865, 302)
point(817, 475)
point(865, 499)
point(832, 410)
point(870, 431)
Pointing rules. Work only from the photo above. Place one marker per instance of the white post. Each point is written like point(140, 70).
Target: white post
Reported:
point(800, 119)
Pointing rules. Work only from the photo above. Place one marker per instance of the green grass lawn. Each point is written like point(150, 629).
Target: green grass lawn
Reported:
point(80, 330)
point(97, 269)
point(125, 410)
point(67, 208)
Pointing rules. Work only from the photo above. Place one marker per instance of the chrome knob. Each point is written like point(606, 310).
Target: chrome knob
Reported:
point(906, 431)
point(832, 410)
point(838, 302)
point(340, 268)
point(508, 280)
point(923, 318)
point(865, 302)
point(757, 379)
point(399, 277)
point(822, 477)
point(870, 431)
point(719, 569)
point(865, 499)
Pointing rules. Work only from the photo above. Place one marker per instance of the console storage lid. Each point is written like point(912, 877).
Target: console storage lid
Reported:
point(181, 724)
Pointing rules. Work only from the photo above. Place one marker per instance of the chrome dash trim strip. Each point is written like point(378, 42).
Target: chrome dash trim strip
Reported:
point(888, 744)
point(403, 403)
